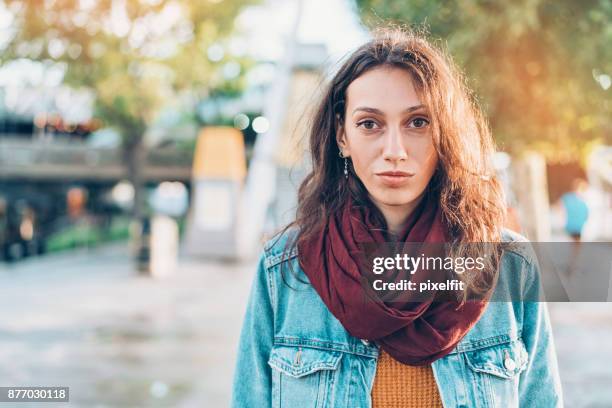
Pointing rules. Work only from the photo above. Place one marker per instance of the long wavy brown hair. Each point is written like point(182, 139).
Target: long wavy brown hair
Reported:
point(470, 195)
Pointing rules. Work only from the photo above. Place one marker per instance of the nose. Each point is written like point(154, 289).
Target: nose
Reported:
point(394, 148)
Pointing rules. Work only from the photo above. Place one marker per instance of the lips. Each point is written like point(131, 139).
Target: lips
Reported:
point(394, 178)
point(395, 173)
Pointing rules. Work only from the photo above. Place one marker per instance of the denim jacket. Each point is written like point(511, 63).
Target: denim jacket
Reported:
point(294, 353)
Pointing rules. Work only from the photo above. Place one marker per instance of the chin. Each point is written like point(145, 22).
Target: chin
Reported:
point(395, 198)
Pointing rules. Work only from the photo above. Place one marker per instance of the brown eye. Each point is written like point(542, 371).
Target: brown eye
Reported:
point(367, 124)
point(419, 123)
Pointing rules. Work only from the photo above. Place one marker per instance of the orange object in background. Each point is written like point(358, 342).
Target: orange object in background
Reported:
point(220, 154)
point(75, 201)
point(219, 170)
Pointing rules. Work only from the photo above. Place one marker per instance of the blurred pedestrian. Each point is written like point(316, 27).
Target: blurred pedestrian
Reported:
point(576, 216)
point(576, 209)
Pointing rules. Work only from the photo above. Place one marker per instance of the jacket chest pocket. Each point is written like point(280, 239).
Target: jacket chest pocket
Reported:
point(494, 372)
point(303, 377)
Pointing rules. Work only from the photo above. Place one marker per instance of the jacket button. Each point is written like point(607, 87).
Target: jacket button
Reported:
point(365, 342)
point(509, 364)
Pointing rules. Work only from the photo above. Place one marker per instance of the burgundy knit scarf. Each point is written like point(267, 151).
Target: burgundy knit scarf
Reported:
point(414, 333)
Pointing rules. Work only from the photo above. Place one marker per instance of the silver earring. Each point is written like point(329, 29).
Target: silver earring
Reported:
point(345, 164)
point(346, 168)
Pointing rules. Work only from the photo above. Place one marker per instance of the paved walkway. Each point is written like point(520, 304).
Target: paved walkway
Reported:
point(583, 336)
point(86, 320)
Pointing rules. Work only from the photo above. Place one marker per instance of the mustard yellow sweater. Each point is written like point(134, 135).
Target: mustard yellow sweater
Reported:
point(398, 385)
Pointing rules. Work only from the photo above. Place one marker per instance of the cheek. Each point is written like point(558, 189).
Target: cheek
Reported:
point(427, 157)
point(431, 161)
point(361, 163)
point(363, 155)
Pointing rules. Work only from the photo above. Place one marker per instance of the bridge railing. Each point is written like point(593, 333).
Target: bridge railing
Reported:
point(49, 159)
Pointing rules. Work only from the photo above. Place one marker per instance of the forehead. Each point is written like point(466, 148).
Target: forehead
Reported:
point(385, 88)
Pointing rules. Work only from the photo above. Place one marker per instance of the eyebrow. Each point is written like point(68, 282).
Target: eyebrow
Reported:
point(379, 112)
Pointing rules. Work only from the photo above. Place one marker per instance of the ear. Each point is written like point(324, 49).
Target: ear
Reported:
point(341, 138)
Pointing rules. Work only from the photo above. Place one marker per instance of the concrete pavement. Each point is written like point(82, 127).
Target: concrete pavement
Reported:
point(86, 320)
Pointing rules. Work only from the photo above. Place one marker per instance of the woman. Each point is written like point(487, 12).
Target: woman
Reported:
point(399, 154)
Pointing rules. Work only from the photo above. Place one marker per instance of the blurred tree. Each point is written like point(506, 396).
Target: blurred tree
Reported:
point(542, 68)
point(136, 55)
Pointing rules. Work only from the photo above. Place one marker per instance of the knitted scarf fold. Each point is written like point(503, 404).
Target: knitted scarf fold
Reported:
point(412, 332)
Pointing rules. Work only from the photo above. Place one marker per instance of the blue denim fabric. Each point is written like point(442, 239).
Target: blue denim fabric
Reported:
point(294, 353)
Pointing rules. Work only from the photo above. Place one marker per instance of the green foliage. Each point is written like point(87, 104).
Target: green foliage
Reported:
point(540, 67)
point(136, 55)
point(85, 233)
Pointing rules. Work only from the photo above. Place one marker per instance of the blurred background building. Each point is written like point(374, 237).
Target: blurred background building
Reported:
point(168, 137)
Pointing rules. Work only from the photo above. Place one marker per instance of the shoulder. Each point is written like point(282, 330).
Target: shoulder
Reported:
point(518, 270)
point(517, 245)
point(281, 247)
point(509, 235)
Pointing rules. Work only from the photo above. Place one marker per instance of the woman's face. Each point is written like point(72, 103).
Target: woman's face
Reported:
point(387, 135)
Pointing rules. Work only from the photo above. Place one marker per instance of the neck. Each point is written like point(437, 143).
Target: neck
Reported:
point(396, 216)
